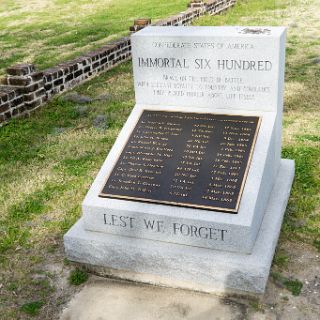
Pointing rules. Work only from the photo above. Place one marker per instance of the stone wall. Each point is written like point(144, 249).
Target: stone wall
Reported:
point(24, 89)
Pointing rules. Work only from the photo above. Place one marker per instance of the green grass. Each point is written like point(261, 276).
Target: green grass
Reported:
point(256, 305)
point(248, 12)
point(45, 176)
point(33, 144)
point(32, 308)
point(61, 30)
point(280, 259)
point(316, 243)
point(304, 201)
point(78, 277)
point(293, 285)
point(308, 137)
point(45, 172)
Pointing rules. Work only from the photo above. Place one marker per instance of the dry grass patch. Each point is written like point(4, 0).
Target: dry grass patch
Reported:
point(63, 29)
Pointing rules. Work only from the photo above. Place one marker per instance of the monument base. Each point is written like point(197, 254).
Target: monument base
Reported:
point(182, 266)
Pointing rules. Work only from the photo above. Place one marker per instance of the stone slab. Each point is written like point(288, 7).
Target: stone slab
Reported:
point(106, 299)
point(183, 266)
point(195, 48)
point(231, 68)
point(216, 67)
point(241, 229)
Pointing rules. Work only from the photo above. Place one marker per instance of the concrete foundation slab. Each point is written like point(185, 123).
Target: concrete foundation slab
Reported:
point(104, 299)
point(184, 266)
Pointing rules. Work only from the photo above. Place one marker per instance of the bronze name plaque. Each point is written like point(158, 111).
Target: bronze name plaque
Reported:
point(194, 160)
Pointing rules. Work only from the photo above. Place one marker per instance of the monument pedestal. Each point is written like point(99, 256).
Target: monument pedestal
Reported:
point(218, 230)
point(183, 266)
point(193, 192)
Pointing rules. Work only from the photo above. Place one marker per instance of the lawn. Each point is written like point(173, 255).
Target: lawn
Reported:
point(47, 32)
point(47, 162)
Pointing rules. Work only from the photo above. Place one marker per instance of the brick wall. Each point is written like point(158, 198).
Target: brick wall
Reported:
point(68, 74)
point(24, 89)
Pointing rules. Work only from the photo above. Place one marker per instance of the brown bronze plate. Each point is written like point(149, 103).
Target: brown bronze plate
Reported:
point(196, 160)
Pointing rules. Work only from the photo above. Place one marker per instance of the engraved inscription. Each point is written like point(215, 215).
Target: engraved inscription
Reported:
point(256, 31)
point(170, 228)
point(186, 159)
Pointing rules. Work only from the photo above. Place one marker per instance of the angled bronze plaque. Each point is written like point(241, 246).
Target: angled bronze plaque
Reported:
point(185, 159)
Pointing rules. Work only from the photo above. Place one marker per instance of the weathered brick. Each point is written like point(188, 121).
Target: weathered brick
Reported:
point(22, 109)
point(11, 95)
point(18, 91)
point(33, 87)
point(7, 115)
point(48, 86)
point(103, 53)
point(84, 62)
point(78, 73)
point(17, 101)
point(104, 60)
point(78, 61)
point(69, 77)
point(32, 105)
point(40, 92)
point(21, 69)
point(87, 69)
point(47, 78)
point(4, 107)
point(65, 68)
point(196, 4)
point(3, 97)
point(54, 91)
point(4, 81)
point(69, 66)
point(9, 92)
point(142, 21)
point(2, 118)
point(95, 65)
point(161, 23)
point(93, 56)
point(29, 97)
point(52, 73)
point(122, 42)
point(58, 82)
point(36, 76)
point(109, 48)
point(14, 112)
point(19, 81)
